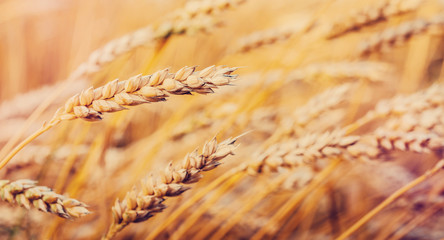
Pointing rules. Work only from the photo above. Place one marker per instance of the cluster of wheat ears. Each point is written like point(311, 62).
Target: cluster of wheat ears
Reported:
point(317, 119)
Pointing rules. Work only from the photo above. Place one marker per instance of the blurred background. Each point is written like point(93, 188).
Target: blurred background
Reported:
point(290, 58)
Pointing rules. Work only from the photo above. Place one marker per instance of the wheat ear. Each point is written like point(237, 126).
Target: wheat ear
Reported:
point(398, 35)
point(92, 103)
point(399, 105)
point(370, 15)
point(382, 141)
point(305, 151)
point(140, 205)
point(114, 96)
point(25, 193)
point(429, 120)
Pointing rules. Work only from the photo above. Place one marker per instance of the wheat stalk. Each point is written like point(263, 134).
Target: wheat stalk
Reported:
point(140, 205)
point(370, 15)
point(398, 35)
point(25, 193)
point(92, 103)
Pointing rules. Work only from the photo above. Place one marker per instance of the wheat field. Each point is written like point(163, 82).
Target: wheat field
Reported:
point(221, 119)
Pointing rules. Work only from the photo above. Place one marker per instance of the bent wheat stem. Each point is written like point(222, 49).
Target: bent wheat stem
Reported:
point(21, 145)
point(438, 167)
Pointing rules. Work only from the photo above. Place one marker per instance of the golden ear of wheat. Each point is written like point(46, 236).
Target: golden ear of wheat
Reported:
point(429, 120)
point(383, 141)
point(140, 205)
point(91, 103)
point(26, 194)
point(415, 103)
point(306, 150)
point(398, 35)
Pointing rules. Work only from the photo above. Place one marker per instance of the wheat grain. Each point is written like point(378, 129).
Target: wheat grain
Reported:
point(25, 193)
point(307, 150)
point(140, 205)
point(415, 103)
point(429, 120)
point(91, 103)
point(370, 15)
point(398, 35)
point(382, 142)
point(343, 71)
